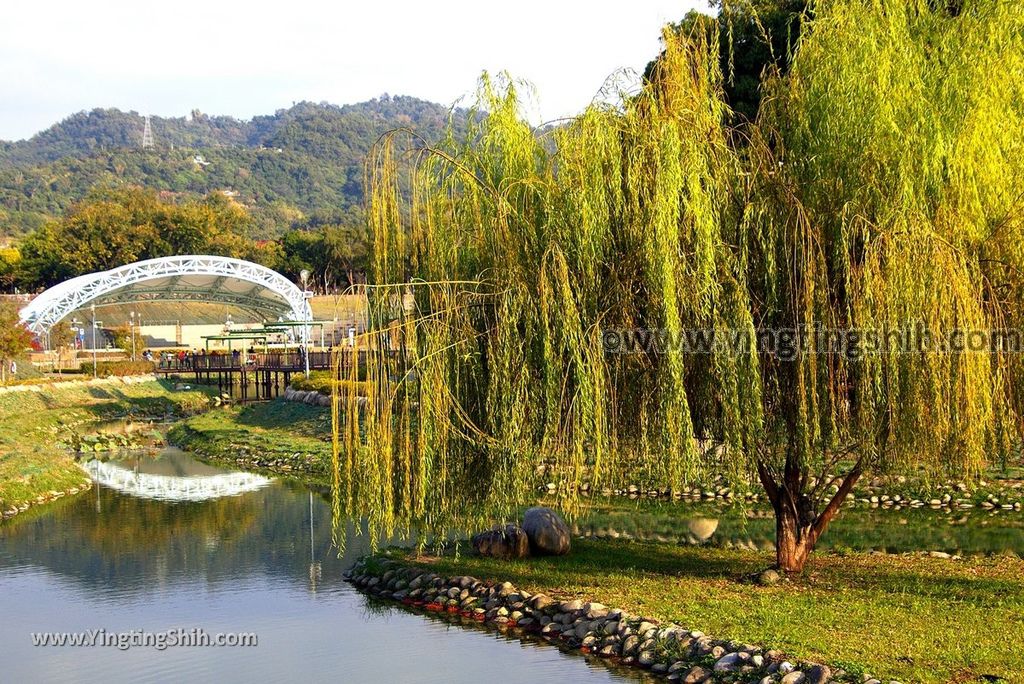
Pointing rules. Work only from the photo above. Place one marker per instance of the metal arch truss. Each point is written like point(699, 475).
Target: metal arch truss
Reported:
point(61, 300)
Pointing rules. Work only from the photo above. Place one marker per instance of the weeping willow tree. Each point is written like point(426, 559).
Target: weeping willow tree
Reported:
point(502, 257)
point(884, 203)
point(878, 191)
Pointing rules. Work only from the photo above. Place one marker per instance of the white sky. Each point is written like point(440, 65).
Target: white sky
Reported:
point(249, 58)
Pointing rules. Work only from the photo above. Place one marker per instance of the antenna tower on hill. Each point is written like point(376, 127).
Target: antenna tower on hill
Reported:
point(147, 135)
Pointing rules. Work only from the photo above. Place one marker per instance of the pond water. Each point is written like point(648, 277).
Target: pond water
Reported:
point(164, 542)
point(170, 555)
point(860, 528)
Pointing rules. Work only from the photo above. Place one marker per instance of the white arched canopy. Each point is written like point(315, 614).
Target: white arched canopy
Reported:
point(214, 279)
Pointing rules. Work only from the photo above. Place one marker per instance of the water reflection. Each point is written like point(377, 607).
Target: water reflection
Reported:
point(260, 561)
point(174, 476)
point(974, 531)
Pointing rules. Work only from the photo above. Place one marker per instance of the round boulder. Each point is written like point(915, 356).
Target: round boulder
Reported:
point(702, 528)
point(547, 532)
point(507, 542)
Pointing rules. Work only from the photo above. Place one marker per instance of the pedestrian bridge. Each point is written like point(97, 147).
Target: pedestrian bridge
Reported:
point(192, 278)
point(171, 487)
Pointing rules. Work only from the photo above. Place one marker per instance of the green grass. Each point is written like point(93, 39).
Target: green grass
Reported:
point(33, 424)
point(278, 436)
point(322, 382)
point(909, 618)
point(905, 617)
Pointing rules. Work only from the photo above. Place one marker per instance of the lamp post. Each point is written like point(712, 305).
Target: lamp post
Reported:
point(304, 276)
point(131, 331)
point(94, 326)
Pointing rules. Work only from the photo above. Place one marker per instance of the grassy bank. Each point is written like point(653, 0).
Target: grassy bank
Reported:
point(910, 618)
point(277, 437)
point(34, 422)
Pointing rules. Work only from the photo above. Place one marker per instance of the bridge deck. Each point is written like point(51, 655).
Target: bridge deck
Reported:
point(243, 363)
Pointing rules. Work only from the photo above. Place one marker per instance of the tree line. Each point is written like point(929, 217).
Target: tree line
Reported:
point(297, 160)
point(111, 228)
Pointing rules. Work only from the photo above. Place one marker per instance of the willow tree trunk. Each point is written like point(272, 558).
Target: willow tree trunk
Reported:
point(793, 542)
point(798, 525)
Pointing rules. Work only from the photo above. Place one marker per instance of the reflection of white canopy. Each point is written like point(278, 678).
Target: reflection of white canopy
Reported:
point(171, 487)
point(194, 278)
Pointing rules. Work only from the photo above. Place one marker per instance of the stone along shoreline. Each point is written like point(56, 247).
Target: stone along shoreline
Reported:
point(675, 652)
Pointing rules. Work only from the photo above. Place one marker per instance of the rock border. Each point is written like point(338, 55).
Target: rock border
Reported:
point(48, 497)
point(954, 497)
point(311, 397)
point(669, 650)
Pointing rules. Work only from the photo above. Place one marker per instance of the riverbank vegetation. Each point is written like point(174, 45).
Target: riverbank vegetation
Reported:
point(278, 437)
point(914, 619)
point(855, 207)
point(39, 424)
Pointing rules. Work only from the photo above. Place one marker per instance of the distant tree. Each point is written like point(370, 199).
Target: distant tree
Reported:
point(15, 338)
point(348, 251)
point(61, 336)
point(335, 255)
point(123, 336)
point(303, 250)
point(755, 35)
point(10, 258)
point(116, 227)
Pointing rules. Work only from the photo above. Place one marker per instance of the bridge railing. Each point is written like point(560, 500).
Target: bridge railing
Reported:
point(290, 361)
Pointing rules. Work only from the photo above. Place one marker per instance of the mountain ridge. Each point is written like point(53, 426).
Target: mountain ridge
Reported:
point(305, 159)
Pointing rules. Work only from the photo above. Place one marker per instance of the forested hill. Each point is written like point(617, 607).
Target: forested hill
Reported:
point(302, 160)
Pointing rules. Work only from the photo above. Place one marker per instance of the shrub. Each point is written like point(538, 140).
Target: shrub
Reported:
point(320, 381)
point(107, 369)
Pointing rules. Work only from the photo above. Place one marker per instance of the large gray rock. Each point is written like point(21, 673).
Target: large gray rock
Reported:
point(548, 533)
point(697, 675)
point(508, 542)
point(730, 662)
point(818, 674)
point(702, 528)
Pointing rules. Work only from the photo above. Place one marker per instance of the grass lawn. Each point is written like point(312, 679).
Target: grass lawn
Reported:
point(32, 423)
point(263, 436)
point(903, 617)
point(908, 618)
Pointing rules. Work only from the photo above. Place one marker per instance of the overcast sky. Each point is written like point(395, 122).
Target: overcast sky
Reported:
point(243, 59)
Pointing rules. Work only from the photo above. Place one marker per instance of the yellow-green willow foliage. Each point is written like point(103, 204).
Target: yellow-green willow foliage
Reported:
point(887, 195)
point(880, 190)
point(514, 251)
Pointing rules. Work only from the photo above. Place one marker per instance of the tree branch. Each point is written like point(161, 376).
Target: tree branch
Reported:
point(768, 482)
point(826, 516)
